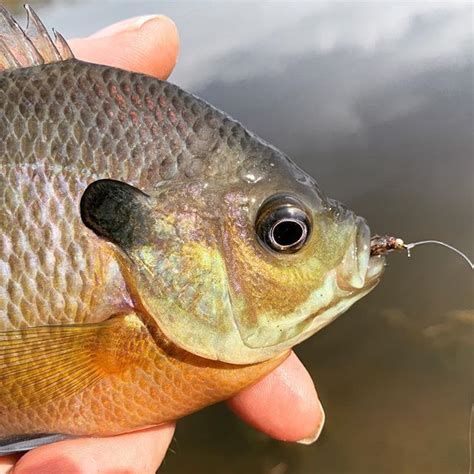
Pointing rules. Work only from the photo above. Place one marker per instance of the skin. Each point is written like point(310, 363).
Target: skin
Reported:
point(283, 405)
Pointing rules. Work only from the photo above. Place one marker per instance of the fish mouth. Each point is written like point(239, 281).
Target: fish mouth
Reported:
point(358, 269)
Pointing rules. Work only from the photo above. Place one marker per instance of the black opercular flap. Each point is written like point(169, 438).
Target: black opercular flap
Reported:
point(116, 211)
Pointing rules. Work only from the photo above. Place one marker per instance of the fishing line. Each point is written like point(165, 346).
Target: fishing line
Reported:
point(470, 439)
point(383, 244)
point(408, 248)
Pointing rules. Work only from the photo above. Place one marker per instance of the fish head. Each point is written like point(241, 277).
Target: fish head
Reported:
point(295, 259)
point(241, 269)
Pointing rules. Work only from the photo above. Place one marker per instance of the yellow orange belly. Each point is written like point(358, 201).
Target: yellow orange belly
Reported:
point(144, 380)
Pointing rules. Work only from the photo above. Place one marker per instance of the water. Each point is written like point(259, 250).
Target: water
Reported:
point(376, 102)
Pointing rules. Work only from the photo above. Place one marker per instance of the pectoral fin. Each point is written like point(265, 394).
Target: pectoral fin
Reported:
point(18, 444)
point(42, 364)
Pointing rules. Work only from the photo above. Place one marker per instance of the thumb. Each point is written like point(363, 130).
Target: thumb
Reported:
point(147, 44)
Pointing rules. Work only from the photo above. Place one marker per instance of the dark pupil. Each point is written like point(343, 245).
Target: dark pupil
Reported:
point(287, 233)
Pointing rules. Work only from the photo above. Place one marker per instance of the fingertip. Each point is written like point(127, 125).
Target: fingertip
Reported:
point(148, 44)
point(314, 436)
point(283, 405)
point(7, 462)
point(138, 452)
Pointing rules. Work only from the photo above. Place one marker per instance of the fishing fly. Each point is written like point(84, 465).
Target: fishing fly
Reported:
point(384, 244)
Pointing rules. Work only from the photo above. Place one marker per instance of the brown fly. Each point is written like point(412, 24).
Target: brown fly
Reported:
point(383, 244)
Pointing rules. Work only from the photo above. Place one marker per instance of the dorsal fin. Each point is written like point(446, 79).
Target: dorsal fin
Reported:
point(31, 47)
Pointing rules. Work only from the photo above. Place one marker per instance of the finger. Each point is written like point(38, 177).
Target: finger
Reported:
point(148, 44)
point(284, 404)
point(139, 452)
point(7, 462)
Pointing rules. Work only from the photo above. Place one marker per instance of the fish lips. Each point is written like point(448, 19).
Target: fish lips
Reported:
point(358, 269)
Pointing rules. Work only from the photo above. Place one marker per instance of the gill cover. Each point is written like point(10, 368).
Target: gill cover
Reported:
point(173, 263)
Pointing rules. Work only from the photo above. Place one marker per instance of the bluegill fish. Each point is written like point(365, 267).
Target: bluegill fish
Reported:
point(155, 256)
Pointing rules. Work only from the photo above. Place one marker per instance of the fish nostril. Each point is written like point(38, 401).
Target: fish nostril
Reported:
point(338, 211)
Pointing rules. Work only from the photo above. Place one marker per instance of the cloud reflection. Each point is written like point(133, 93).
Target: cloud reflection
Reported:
point(404, 34)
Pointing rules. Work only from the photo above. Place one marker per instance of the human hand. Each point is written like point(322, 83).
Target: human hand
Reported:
point(283, 405)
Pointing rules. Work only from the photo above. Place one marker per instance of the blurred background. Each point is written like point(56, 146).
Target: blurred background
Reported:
point(375, 100)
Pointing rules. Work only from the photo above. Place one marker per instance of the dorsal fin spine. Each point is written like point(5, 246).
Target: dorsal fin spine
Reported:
point(37, 33)
point(21, 48)
point(7, 60)
point(62, 46)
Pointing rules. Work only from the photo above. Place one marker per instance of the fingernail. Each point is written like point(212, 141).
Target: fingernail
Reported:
point(129, 25)
point(311, 439)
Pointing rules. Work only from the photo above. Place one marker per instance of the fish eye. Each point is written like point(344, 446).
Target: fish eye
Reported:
point(283, 224)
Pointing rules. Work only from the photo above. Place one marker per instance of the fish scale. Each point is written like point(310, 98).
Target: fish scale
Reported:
point(140, 274)
point(176, 135)
point(51, 270)
point(65, 146)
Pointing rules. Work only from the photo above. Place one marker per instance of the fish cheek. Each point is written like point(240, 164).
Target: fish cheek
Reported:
point(189, 302)
point(274, 295)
